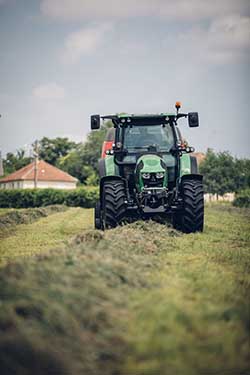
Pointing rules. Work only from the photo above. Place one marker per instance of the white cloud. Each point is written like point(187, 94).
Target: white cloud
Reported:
point(230, 32)
point(89, 9)
point(110, 9)
point(49, 91)
point(226, 40)
point(200, 9)
point(84, 42)
point(220, 29)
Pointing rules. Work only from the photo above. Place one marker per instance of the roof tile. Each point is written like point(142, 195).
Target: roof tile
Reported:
point(46, 172)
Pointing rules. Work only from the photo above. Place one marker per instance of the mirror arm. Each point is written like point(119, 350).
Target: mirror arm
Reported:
point(180, 115)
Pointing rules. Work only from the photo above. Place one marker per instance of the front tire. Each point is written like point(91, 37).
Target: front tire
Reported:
point(113, 203)
point(192, 217)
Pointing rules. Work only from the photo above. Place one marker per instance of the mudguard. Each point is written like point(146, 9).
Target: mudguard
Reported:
point(107, 167)
point(102, 168)
point(188, 164)
point(194, 165)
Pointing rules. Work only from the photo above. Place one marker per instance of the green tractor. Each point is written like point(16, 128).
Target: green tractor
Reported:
point(148, 172)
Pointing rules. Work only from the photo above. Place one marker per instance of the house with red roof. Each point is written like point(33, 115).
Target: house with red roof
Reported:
point(44, 175)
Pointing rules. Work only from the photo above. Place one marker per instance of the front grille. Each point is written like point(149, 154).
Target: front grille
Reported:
point(153, 181)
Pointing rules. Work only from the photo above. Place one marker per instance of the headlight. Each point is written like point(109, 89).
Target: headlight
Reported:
point(160, 175)
point(146, 175)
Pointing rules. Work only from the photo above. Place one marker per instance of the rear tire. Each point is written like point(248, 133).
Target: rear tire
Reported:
point(113, 203)
point(192, 217)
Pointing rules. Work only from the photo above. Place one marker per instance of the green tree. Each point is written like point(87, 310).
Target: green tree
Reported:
point(79, 160)
point(242, 174)
point(13, 162)
point(93, 146)
point(223, 173)
point(74, 164)
point(51, 150)
point(82, 162)
point(207, 169)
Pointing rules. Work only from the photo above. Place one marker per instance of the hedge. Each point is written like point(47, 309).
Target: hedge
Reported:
point(242, 199)
point(25, 198)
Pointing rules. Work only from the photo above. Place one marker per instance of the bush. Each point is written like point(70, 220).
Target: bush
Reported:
point(17, 198)
point(242, 199)
point(46, 197)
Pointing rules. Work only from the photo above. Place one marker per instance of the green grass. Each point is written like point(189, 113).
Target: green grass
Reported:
point(44, 234)
point(10, 218)
point(4, 211)
point(199, 310)
point(138, 300)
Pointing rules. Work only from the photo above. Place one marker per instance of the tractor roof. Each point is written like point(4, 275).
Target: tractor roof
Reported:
point(132, 115)
point(142, 119)
point(126, 115)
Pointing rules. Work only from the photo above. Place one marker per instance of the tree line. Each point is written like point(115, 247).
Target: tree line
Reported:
point(78, 159)
point(222, 172)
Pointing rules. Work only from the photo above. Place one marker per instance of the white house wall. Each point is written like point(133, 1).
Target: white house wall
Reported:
point(28, 184)
point(11, 185)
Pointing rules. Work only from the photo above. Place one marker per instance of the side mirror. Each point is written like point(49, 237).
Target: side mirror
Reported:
point(193, 119)
point(95, 122)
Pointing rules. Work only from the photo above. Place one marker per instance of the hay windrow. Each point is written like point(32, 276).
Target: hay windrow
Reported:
point(27, 216)
point(139, 299)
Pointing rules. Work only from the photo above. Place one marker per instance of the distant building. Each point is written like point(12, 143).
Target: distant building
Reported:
point(48, 176)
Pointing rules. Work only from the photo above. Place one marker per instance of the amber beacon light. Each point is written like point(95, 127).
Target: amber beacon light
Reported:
point(178, 105)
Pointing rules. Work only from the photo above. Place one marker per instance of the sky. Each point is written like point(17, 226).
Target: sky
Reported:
point(63, 60)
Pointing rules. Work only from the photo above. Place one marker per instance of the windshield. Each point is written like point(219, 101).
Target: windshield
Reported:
point(144, 136)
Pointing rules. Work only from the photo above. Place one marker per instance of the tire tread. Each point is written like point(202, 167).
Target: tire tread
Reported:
point(114, 207)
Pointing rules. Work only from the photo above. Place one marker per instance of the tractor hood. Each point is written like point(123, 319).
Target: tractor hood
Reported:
point(151, 172)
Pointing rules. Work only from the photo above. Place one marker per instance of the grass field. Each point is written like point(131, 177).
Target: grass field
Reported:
point(143, 299)
point(44, 234)
point(4, 211)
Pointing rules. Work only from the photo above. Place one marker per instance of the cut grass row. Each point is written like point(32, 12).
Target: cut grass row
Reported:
point(4, 211)
point(11, 217)
point(38, 237)
point(138, 300)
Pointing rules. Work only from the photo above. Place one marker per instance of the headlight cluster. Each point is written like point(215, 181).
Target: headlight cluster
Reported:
point(158, 175)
